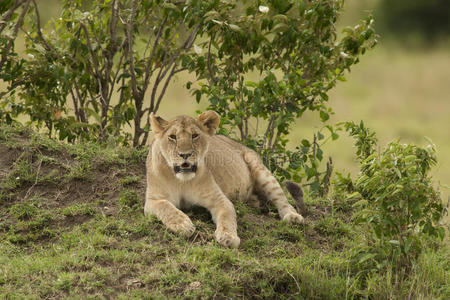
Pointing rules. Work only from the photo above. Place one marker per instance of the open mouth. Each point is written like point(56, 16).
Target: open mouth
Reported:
point(185, 168)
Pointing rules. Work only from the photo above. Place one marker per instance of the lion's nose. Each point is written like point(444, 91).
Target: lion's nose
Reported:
point(185, 155)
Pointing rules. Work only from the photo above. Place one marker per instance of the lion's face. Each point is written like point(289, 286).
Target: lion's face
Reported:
point(184, 141)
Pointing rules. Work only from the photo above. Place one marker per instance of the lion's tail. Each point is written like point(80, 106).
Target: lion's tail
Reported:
point(297, 194)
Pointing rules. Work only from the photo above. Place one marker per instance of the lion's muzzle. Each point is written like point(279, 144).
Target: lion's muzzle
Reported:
point(185, 168)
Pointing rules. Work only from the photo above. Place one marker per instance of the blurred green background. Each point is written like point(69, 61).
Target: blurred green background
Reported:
point(401, 89)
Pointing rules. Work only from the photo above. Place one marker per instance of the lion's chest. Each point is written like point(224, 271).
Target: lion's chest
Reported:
point(182, 200)
point(183, 196)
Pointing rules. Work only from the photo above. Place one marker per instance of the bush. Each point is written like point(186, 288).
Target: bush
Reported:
point(398, 200)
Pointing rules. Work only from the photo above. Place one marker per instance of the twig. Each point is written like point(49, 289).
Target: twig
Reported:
point(271, 132)
point(163, 91)
point(314, 157)
point(7, 49)
point(272, 118)
point(130, 51)
point(211, 74)
point(7, 16)
point(148, 71)
point(35, 182)
point(39, 30)
point(326, 178)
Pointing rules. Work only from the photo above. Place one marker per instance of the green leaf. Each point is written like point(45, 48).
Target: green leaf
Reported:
point(210, 15)
point(320, 136)
point(306, 143)
point(281, 18)
point(324, 116)
point(235, 27)
point(280, 28)
point(169, 5)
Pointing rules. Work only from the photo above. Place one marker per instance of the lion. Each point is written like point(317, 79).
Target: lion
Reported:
point(189, 164)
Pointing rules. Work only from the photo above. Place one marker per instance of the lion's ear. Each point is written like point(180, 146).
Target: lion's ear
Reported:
point(158, 124)
point(209, 120)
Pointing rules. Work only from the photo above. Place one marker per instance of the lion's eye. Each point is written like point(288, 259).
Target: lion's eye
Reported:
point(194, 136)
point(173, 137)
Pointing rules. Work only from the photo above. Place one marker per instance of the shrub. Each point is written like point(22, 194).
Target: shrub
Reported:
point(398, 199)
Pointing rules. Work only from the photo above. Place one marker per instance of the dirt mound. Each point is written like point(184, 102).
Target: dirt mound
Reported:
point(39, 176)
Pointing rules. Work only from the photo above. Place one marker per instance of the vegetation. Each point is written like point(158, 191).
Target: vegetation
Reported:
point(397, 198)
point(65, 236)
point(255, 63)
point(71, 221)
point(90, 53)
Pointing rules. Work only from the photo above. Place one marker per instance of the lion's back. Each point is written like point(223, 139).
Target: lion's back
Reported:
point(225, 161)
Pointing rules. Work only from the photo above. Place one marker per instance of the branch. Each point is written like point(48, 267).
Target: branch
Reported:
point(180, 70)
point(91, 50)
point(7, 17)
point(314, 156)
point(75, 105)
point(130, 51)
point(150, 59)
point(272, 118)
point(39, 30)
point(161, 74)
point(95, 62)
point(272, 147)
point(144, 140)
point(163, 91)
point(118, 68)
point(271, 133)
point(208, 63)
point(7, 50)
point(112, 50)
point(81, 109)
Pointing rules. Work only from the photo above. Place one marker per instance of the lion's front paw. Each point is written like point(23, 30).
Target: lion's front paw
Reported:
point(227, 239)
point(182, 224)
point(294, 218)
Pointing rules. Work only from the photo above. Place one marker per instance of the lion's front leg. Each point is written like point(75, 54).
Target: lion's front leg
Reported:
point(170, 216)
point(224, 216)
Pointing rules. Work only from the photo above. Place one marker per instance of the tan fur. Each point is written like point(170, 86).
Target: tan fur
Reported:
point(226, 170)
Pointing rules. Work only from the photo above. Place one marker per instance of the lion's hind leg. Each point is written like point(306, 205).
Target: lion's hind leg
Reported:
point(268, 186)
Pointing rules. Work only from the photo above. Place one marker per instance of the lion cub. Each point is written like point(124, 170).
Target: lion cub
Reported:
point(189, 165)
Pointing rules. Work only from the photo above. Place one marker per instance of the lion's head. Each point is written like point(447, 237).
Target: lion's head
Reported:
point(184, 141)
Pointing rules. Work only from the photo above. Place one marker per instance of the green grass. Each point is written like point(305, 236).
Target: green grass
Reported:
point(87, 237)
